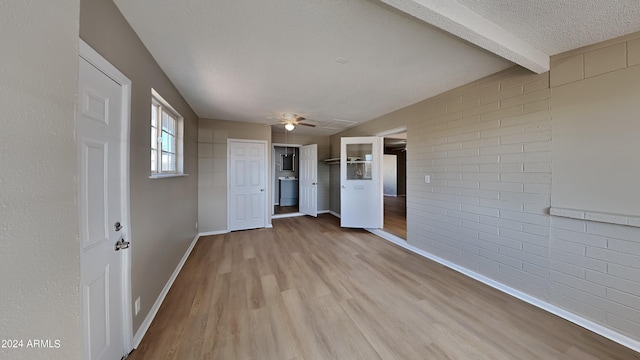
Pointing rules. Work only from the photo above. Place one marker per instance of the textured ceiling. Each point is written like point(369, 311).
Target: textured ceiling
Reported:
point(556, 26)
point(339, 63)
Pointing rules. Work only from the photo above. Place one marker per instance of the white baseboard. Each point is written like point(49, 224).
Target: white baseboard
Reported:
point(217, 232)
point(334, 214)
point(137, 338)
point(567, 315)
point(324, 211)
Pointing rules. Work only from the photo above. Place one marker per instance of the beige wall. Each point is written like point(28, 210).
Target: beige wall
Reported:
point(39, 246)
point(595, 103)
point(595, 266)
point(212, 164)
point(487, 146)
point(163, 211)
point(323, 169)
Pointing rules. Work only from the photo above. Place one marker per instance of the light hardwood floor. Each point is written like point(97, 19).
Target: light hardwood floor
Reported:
point(307, 289)
point(395, 215)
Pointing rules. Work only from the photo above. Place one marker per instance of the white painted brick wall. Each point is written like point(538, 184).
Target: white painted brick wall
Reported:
point(596, 267)
point(486, 208)
point(488, 155)
point(487, 146)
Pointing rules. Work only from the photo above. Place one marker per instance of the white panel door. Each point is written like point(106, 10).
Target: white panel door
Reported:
point(361, 201)
point(247, 203)
point(99, 132)
point(308, 203)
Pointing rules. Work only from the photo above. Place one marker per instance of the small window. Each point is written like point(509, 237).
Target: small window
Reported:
point(166, 137)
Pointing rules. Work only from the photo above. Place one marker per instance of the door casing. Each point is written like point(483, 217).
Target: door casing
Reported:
point(265, 181)
point(95, 59)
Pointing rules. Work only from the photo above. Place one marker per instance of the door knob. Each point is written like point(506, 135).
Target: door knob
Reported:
point(261, 189)
point(314, 183)
point(344, 186)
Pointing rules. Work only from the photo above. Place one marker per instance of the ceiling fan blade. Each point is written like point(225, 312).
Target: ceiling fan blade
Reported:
point(303, 124)
point(300, 118)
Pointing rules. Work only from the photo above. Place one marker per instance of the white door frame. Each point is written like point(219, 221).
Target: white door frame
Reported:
point(273, 174)
point(383, 134)
point(95, 59)
point(267, 214)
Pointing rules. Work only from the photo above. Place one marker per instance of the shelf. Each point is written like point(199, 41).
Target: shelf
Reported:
point(336, 161)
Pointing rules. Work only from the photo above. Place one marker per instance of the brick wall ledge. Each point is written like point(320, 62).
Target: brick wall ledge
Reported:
point(628, 220)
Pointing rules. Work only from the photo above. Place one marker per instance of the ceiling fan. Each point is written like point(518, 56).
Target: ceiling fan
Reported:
point(290, 121)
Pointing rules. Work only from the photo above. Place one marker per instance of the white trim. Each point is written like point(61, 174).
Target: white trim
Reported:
point(164, 106)
point(567, 315)
point(94, 58)
point(286, 145)
point(295, 214)
point(142, 330)
point(287, 215)
point(217, 232)
point(165, 175)
point(272, 175)
point(598, 216)
point(334, 214)
point(398, 130)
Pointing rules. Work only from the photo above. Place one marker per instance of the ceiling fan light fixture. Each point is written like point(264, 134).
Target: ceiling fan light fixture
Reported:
point(289, 127)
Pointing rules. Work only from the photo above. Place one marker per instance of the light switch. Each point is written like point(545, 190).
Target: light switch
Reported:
point(427, 179)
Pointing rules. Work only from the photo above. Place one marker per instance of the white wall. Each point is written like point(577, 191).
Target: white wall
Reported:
point(39, 246)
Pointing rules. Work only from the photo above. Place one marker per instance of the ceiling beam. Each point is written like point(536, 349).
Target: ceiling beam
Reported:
point(466, 24)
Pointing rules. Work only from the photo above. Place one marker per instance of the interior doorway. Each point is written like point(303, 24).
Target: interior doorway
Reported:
point(286, 170)
point(395, 182)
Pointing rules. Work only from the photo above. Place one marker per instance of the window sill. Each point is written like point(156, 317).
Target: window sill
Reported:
point(163, 176)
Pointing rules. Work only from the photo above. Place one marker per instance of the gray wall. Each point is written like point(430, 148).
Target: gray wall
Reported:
point(39, 246)
point(487, 146)
point(163, 211)
point(212, 162)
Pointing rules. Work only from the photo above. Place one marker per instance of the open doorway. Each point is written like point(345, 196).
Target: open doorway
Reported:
point(286, 178)
point(395, 183)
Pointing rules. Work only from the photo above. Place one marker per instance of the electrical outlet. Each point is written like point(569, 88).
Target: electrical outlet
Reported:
point(137, 305)
point(427, 179)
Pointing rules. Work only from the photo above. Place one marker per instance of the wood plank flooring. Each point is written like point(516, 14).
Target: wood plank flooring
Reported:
point(307, 289)
point(277, 209)
point(395, 215)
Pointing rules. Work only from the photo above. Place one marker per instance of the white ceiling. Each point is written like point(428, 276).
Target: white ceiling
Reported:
point(342, 62)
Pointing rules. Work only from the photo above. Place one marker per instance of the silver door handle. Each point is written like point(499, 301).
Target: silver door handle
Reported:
point(121, 244)
point(344, 186)
point(261, 189)
point(314, 183)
